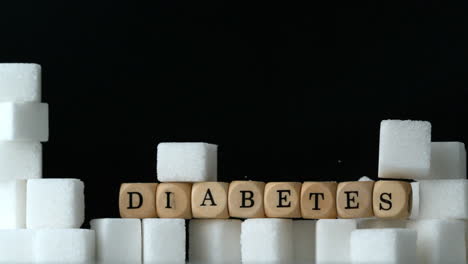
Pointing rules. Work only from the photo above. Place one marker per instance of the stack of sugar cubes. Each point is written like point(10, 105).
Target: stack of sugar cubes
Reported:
point(40, 218)
point(435, 232)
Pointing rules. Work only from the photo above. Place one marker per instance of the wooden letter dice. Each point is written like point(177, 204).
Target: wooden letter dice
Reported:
point(392, 199)
point(282, 199)
point(137, 200)
point(210, 200)
point(354, 199)
point(173, 200)
point(318, 200)
point(245, 199)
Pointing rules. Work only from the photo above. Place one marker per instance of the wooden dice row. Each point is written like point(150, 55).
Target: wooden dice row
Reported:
point(251, 199)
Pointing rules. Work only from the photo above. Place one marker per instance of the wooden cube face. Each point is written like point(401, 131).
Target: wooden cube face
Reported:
point(245, 199)
point(173, 200)
point(137, 200)
point(282, 199)
point(392, 199)
point(354, 199)
point(210, 200)
point(318, 200)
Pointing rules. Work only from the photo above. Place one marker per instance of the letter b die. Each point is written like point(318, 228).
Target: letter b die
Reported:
point(245, 199)
point(138, 200)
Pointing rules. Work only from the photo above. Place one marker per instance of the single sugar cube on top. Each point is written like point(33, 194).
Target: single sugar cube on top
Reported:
point(163, 241)
point(17, 245)
point(20, 82)
point(13, 204)
point(448, 160)
point(187, 162)
point(215, 241)
point(405, 149)
point(443, 199)
point(267, 240)
point(64, 246)
point(54, 203)
point(389, 246)
point(24, 121)
point(20, 160)
point(333, 240)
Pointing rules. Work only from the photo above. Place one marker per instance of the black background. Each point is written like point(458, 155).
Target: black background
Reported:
point(288, 91)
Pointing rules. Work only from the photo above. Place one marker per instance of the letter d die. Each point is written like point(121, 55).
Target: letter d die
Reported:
point(138, 200)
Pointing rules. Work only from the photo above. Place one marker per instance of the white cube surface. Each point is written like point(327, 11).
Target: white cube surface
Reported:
point(405, 149)
point(440, 241)
point(187, 162)
point(333, 240)
point(448, 160)
point(118, 240)
point(214, 241)
point(64, 246)
point(24, 121)
point(267, 240)
point(304, 241)
point(20, 160)
point(414, 214)
point(163, 241)
point(20, 82)
point(17, 245)
point(389, 246)
point(13, 204)
point(370, 223)
point(443, 199)
point(54, 203)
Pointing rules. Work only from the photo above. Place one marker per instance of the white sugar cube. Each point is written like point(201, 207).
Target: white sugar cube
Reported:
point(24, 121)
point(13, 204)
point(304, 241)
point(20, 160)
point(118, 240)
point(365, 178)
point(448, 160)
point(163, 241)
point(381, 223)
point(333, 240)
point(466, 238)
point(440, 241)
point(54, 203)
point(20, 82)
point(267, 240)
point(64, 246)
point(389, 246)
point(187, 162)
point(17, 245)
point(405, 149)
point(443, 199)
point(214, 241)
point(415, 200)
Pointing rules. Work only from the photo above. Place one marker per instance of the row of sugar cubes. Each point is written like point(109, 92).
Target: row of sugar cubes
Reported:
point(40, 218)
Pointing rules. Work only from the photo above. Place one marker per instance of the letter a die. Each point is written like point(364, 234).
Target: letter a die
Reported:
point(210, 200)
point(354, 199)
point(138, 200)
point(245, 199)
point(392, 199)
point(318, 200)
point(282, 199)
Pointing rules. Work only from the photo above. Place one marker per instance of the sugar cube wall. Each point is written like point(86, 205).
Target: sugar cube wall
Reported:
point(440, 241)
point(214, 241)
point(187, 162)
point(20, 82)
point(24, 121)
point(443, 199)
point(20, 160)
point(64, 246)
point(13, 204)
point(405, 149)
point(333, 240)
point(17, 245)
point(267, 240)
point(390, 246)
point(163, 241)
point(448, 160)
point(118, 240)
point(54, 203)
point(304, 241)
